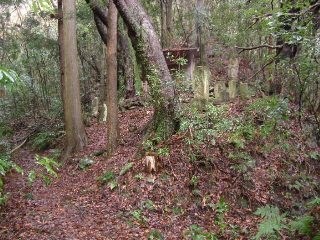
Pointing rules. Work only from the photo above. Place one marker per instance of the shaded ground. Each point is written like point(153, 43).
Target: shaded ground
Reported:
point(77, 206)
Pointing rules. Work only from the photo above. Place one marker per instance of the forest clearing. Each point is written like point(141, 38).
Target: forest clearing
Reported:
point(159, 119)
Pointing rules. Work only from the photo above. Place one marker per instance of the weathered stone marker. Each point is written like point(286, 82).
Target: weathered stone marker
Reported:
point(220, 91)
point(244, 90)
point(104, 113)
point(233, 69)
point(201, 83)
point(233, 90)
point(95, 106)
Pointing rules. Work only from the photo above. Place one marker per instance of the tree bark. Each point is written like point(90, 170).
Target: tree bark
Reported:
point(60, 42)
point(126, 62)
point(201, 38)
point(147, 45)
point(111, 86)
point(75, 133)
point(166, 22)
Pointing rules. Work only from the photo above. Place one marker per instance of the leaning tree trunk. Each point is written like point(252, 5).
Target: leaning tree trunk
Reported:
point(146, 42)
point(111, 86)
point(75, 134)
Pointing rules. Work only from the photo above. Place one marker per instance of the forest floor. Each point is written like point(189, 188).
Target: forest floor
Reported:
point(77, 206)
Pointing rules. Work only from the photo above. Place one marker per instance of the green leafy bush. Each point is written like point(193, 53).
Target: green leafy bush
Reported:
point(203, 128)
point(109, 178)
point(155, 235)
point(49, 168)
point(196, 232)
point(272, 222)
point(43, 140)
point(268, 112)
point(303, 225)
point(5, 166)
point(5, 130)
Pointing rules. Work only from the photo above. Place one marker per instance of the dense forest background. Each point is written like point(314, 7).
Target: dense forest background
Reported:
point(159, 119)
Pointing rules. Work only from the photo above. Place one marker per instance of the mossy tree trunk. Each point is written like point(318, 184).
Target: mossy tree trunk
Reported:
point(148, 48)
point(147, 45)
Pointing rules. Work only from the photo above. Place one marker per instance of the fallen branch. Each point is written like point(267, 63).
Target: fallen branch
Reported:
point(257, 47)
point(19, 146)
point(264, 66)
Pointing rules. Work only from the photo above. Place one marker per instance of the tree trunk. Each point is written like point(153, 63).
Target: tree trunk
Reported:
point(201, 38)
point(166, 22)
point(126, 62)
point(60, 42)
point(75, 134)
point(111, 86)
point(147, 45)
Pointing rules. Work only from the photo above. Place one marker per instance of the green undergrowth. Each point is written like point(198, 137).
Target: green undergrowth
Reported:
point(274, 224)
point(6, 165)
point(263, 132)
point(47, 171)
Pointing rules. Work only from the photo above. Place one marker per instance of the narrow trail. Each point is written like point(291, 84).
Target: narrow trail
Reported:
point(75, 206)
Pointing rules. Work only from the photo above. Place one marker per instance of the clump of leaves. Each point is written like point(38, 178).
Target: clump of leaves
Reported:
point(43, 140)
point(202, 128)
point(126, 168)
point(109, 178)
point(138, 216)
point(272, 222)
point(5, 130)
point(148, 204)
point(7, 77)
point(5, 166)
point(50, 165)
point(268, 112)
point(155, 235)
point(314, 155)
point(49, 169)
point(243, 161)
point(196, 232)
point(221, 207)
point(303, 225)
point(193, 183)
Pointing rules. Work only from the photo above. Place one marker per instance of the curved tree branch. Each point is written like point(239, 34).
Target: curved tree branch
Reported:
point(101, 27)
point(102, 14)
point(260, 46)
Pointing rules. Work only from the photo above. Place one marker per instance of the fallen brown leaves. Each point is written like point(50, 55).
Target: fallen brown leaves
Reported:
point(76, 206)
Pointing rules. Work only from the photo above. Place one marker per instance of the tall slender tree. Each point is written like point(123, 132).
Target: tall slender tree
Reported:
point(76, 137)
point(111, 86)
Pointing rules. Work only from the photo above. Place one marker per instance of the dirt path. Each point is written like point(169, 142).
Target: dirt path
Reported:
point(76, 207)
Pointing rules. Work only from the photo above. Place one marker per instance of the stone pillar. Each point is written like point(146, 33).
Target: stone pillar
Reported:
point(233, 69)
point(233, 89)
point(190, 69)
point(95, 106)
point(201, 83)
point(244, 90)
point(104, 113)
point(221, 94)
